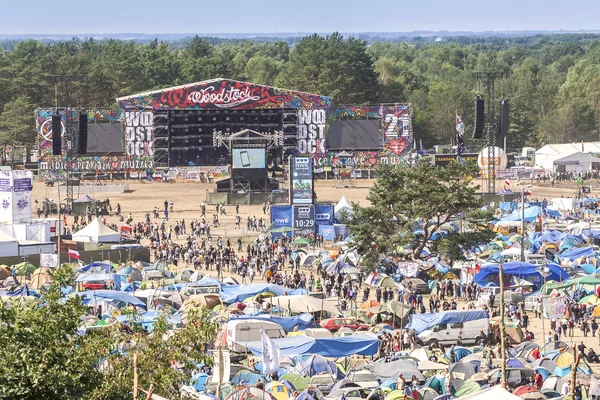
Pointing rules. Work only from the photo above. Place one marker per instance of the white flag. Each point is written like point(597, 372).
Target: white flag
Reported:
point(271, 354)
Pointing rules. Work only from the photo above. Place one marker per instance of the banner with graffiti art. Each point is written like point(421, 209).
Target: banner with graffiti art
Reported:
point(554, 307)
point(222, 94)
point(139, 133)
point(311, 131)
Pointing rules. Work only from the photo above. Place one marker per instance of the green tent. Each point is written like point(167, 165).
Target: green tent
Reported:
point(24, 268)
point(302, 241)
point(549, 286)
point(588, 280)
point(283, 229)
point(299, 382)
point(469, 387)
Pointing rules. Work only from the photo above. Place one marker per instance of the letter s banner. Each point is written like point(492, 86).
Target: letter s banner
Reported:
point(281, 216)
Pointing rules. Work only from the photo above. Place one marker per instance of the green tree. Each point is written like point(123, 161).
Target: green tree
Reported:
point(42, 355)
point(408, 206)
point(17, 125)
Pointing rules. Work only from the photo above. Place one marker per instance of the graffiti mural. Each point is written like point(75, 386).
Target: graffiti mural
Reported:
point(52, 168)
point(139, 133)
point(311, 131)
point(223, 94)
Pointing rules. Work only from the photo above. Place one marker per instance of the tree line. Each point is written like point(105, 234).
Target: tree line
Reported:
point(552, 82)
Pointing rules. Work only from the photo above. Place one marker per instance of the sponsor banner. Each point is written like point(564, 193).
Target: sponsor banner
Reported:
point(304, 218)
point(341, 230)
point(281, 217)
point(6, 207)
point(442, 160)
point(21, 206)
point(554, 307)
point(5, 181)
point(301, 180)
point(327, 231)
point(22, 181)
point(311, 131)
point(324, 214)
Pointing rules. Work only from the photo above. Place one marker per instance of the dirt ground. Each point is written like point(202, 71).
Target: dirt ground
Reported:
point(187, 197)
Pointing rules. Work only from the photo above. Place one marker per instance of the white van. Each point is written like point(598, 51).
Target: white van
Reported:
point(448, 333)
point(249, 330)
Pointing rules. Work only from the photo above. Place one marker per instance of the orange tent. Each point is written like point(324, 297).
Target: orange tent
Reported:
point(369, 304)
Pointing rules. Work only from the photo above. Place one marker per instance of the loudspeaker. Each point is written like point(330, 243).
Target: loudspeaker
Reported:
point(504, 121)
point(83, 133)
point(56, 135)
point(479, 118)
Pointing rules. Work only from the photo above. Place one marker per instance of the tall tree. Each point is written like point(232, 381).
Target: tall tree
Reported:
point(409, 206)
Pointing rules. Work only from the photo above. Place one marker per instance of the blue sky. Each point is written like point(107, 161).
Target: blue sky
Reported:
point(247, 16)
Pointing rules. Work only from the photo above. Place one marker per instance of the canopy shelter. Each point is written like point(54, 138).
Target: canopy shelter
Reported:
point(342, 206)
point(303, 303)
point(335, 347)
point(523, 270)
point(576, 162)
point(84, 204)
point(97, 232)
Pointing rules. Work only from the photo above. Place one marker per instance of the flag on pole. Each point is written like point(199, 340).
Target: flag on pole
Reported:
point(73, 254)
point(460, 130)
point(271, 354)
point(506, 184)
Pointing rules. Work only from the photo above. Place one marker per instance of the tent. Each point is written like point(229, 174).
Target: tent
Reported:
point(9, 246)
point(387, 370)
point(40, 277)
point(523, 270)
point(422, 322)
point(97, 232)
point(304, 303)
point(495, 392)
point(342, 206)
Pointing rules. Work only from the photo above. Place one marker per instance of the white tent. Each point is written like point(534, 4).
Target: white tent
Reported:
point(9, 246)
point(546, 156)
point(303, 303)
point(96, 232)
point(576, 162)
point(495, 392)
point(342, 205)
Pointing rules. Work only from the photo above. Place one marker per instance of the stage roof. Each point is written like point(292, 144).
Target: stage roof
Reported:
point(221, 93)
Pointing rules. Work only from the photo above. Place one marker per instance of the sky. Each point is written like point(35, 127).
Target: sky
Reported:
point(320, 16)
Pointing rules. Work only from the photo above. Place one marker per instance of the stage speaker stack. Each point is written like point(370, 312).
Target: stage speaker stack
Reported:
point(56, 135)
point(83, 132)
point(504, 121)
point(479, 118)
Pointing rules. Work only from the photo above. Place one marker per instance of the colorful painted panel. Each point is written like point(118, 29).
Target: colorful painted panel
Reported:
point(223, 94)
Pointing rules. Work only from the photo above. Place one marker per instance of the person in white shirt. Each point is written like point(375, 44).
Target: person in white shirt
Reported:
point(566, 388)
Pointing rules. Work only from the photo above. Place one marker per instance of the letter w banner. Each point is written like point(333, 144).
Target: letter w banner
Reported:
point(271, 354)
point(281, 217)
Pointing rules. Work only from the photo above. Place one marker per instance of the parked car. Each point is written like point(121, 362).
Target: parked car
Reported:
point(363, 378)
point(416, 285)
point(335, 324)
point(531, 302)
point(94, 285)
point(348, 393)
point(324, 382)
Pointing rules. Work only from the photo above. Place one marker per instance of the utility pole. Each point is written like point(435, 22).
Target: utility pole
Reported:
point(488, 78)
point(502, 333)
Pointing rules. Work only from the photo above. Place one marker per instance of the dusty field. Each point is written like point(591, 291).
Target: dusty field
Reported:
point(187, 197)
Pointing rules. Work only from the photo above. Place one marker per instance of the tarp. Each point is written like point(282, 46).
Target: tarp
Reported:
point(335, 347)
point(531, 213)
point(112, 295)
point(97, 232)
point(387, 370)
point(576, 252)
point(302, 321)
point(93, 277)
point(495, 392)
point(520, 269)
point(236, 293)
point(422, 322)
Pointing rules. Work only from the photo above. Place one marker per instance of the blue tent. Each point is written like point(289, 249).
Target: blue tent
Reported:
point(111, 295)
point(364, 345)
point(422, 322)
point(301, 321)
point(198, 381)
point(522, 270)
point(531, 213)
point(97, 266)
point(235, 293)
point(315, 364)
point(576, 252)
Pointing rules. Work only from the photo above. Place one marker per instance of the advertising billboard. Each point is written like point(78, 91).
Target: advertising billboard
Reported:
point(281, 217)
point(248, 158)
point(301, 176)
point(304, 218)
point(324, 214)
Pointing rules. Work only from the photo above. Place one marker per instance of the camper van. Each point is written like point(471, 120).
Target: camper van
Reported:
point(249, 330)
point(447, 333)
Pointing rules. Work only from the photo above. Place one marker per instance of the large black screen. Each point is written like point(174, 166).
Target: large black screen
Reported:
point(354, 135)
point(105, 138)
